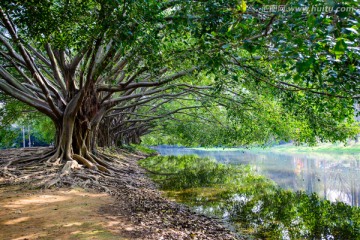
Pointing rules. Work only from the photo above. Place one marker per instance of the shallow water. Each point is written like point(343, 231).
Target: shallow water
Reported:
point(335, 177)
point(232, 188)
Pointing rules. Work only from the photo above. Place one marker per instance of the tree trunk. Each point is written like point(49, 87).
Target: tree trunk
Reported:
point(76, 143)
point(75, 136)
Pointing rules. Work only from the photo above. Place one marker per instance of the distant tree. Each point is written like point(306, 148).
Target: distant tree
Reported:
point(14, 116)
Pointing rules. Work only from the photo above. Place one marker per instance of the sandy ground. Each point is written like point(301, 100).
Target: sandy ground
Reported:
point(55, 214)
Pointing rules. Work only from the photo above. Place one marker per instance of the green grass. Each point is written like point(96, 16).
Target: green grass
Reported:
point(335, 148)
point(226, 149)
point(331, 148)
point(144, 149)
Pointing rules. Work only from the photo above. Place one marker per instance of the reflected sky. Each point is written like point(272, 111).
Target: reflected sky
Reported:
point(334, 177)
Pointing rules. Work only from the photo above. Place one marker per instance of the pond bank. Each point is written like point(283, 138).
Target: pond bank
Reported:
point(330, 148)
point(136, 209)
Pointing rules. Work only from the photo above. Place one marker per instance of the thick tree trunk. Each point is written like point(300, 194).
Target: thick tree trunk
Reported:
point(75, 136)
point(66, 138)
point(77, 144)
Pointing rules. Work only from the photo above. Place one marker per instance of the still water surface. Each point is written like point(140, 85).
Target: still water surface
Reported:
point(333, 177)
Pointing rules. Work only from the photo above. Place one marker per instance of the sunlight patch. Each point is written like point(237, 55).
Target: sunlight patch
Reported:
point(17, 220)
point(38, 200)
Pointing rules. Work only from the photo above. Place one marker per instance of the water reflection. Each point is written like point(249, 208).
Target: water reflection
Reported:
point(250, 203)
point(334, 177)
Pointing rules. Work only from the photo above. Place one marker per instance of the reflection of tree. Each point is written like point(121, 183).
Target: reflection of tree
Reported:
point(252, 203)
point(311, 175)
point(299, 165)
point(341, 181)
point(355, 191)
point(334, 177)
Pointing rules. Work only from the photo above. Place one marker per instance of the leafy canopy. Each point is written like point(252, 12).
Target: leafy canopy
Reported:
point(274, 75)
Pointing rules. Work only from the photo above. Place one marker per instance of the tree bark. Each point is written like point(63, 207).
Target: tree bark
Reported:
point(76, 135)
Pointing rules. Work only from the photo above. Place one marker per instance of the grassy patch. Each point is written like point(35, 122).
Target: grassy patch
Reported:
point(333, 148)
point(220, 149)
point(139, 148)
point(337, 148)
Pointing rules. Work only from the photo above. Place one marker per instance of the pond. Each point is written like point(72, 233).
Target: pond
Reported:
point(263, 195)
point(334, 177)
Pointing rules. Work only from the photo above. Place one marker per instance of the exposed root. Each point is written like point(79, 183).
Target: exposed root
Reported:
point(103, 169)
point(99, 170)
point(52, 182)
point(69, 166)
point(102, 165)
point(45, 167)
point(84, 161)
point(25, 157)
point(55, 158)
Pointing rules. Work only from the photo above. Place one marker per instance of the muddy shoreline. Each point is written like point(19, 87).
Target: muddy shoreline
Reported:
point(138, 203)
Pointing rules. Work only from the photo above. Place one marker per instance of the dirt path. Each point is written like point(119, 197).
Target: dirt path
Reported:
point(132, 209)
point(54, 214)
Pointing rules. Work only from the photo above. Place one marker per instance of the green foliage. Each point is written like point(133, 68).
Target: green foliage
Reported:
point(249, 119)
point(8, 137)
point(274, 76)
point(143, 149)
point(13, 114)
point(255, 205)
point(43, 128)
point(187, 171)
point(139, 148)
point(298, 216)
